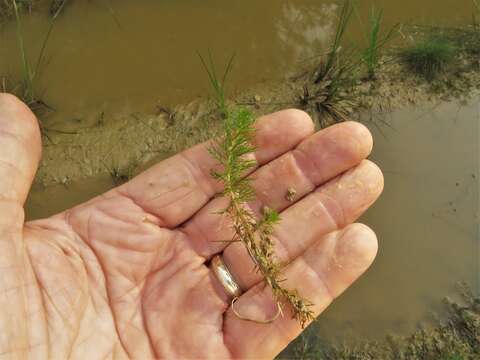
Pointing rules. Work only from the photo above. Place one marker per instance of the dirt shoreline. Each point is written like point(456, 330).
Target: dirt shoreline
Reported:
point(121, 146)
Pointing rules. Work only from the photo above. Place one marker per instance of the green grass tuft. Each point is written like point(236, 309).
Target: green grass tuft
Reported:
point(328, 95)
point(218, 85)
point(375, 42)
point(27, 89)
point(28, 93)
point(334, 52)
point(429, 57)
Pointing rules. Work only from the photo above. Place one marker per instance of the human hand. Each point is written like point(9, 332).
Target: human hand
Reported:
point(126, 275)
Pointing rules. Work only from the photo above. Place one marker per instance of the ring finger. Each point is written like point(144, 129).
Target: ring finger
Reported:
point(330, 207)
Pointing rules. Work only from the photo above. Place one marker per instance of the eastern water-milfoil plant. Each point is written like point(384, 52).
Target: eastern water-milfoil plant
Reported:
point(429, 57)
point(230, 149)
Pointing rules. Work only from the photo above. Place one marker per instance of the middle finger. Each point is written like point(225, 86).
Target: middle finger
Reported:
point(331, 207)
point(313, 162)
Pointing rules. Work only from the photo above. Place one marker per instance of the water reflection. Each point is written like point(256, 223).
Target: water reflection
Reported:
point(305, 30)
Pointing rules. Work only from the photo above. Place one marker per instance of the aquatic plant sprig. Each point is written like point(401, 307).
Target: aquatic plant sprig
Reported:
point(231, 150)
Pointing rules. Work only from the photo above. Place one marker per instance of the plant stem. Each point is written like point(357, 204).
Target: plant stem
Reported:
point(230, 150)
point(28, 76)
point(256, 235)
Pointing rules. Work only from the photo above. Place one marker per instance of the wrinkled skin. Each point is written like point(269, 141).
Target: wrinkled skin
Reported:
point(126, 274)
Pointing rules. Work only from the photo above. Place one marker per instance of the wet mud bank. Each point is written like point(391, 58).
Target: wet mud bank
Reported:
point(119, 145)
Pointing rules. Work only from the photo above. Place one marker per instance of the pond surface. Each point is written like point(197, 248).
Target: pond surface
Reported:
point(139, 54)
point(124, 56)
point(426, 222)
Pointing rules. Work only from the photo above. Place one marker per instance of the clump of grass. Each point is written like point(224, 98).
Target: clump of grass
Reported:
point(375, 42)
point(27, 89)
point(333, 54)
point(332, 100)
point(465, 38)
point(328, 97)
point(230, 149)
point(28, 93)
point(217, 84)
point(429, 57)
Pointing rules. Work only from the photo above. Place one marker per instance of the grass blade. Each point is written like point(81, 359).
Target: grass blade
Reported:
point(217, 85)
point(27, 73)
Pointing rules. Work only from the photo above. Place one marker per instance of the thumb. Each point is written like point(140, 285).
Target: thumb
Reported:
point(20, 147)
point(20, 150)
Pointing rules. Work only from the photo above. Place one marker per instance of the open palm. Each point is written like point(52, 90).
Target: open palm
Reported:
point(126, 274)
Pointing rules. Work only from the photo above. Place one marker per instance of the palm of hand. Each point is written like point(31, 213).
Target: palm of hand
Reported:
point(126, 274)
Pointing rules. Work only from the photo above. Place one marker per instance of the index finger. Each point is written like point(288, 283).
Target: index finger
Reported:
point(176, 188)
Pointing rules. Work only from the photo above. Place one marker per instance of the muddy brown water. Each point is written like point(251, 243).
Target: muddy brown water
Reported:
point(143, 53)
point(426, 222)
point(137, 54)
